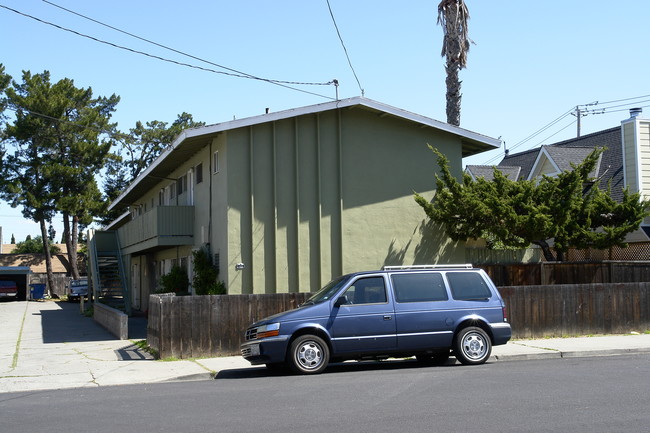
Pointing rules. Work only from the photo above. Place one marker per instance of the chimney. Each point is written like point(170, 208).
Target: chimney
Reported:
point(634, 112)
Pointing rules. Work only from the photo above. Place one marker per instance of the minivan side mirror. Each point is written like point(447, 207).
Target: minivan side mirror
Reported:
point(343, 300)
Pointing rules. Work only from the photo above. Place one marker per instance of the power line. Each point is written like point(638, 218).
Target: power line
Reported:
point(604, 110)
point(620, 100)
point(542, 129)
point(237, 75)
point(344, 48)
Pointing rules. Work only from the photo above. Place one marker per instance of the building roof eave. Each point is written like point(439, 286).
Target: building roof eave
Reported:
point(192, 140)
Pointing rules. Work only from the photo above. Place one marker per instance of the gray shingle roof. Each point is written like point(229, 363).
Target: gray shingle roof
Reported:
point(487, 171)
point(567, 151)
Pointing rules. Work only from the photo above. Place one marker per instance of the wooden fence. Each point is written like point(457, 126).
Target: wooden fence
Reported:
point(583, 309)
point(540, 274)
point(196, 326)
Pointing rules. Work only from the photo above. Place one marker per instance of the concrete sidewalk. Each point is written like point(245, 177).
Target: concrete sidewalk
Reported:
point(49, 345)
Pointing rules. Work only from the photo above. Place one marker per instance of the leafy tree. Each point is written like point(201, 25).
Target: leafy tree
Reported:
point(138, 150)
point(34, 246)
point(569, 209)
point(453, 16)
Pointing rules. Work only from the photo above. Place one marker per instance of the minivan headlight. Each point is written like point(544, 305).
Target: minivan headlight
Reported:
point(270, 330)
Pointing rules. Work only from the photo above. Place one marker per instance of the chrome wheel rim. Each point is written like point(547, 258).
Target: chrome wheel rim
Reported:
point(474, 345)
point(309, 355)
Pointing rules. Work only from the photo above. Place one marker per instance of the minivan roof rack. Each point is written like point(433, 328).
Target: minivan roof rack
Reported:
point(452, 266)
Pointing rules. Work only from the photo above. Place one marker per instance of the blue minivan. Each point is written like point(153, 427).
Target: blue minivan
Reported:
point(429, 312)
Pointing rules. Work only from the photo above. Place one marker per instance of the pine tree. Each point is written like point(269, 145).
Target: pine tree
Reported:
point(568, 209)
point(58, 150)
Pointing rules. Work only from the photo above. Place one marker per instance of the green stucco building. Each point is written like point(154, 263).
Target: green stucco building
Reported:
point(287, 201)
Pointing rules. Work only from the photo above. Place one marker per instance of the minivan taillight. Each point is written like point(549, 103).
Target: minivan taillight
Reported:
point(505, 314)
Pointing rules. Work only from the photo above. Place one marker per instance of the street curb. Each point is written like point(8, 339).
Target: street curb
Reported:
point(605, 352)
point(192, 377)
point(556, 354)
point(551, 354)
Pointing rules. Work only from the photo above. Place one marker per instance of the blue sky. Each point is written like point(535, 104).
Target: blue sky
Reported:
point(532, 61)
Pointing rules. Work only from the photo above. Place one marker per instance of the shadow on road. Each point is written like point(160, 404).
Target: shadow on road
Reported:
point(337, 368)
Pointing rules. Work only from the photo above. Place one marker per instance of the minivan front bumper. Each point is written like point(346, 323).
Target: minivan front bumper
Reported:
point(266, 350)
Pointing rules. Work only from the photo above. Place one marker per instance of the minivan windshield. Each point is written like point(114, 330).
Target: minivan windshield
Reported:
point(330, 289)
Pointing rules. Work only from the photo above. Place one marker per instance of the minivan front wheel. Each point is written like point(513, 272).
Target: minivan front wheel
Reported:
point(472, 346)
point(308, 354)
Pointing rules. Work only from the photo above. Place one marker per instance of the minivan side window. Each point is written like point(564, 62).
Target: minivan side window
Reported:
point(370, 290)
point(468, 286)
point(427, 287)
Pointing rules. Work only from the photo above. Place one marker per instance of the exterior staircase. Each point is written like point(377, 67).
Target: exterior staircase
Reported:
point(107, 271)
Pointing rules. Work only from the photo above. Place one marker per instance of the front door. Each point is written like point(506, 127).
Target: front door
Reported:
point(365, 322)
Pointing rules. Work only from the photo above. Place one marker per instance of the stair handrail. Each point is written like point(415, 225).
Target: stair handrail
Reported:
point(126, 291)
point(94, 265)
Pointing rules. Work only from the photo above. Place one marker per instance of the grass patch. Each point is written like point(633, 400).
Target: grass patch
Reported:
point(89, 312)
point(142, 345)
point(14, 361)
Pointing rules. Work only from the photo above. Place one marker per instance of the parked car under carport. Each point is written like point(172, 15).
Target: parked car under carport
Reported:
point(19, 275)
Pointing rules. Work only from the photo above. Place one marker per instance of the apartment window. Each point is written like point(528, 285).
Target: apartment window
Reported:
point(181, 184)
point(215, 162)
point(161, 197)
point(172, 191)
point(199, 173)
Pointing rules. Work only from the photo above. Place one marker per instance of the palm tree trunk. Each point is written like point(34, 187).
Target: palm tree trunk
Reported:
point(453, 94)
point(453, 16)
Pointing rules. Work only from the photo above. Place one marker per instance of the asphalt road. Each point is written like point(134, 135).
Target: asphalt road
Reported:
point(603, 394)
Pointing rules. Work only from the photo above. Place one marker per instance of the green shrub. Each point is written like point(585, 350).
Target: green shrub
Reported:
point(175, 281)
point(205, 281)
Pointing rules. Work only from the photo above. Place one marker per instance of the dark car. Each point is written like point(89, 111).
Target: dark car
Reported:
point(429, 312)
point(8, 289)
point(77, 289)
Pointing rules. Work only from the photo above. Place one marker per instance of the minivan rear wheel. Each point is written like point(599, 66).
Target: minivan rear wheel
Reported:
point(308, 354)
point(472, 346)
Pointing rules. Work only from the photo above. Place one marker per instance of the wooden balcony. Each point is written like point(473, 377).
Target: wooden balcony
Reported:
point(161, 227)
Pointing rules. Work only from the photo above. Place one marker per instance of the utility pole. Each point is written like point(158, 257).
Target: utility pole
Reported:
point(579, 114)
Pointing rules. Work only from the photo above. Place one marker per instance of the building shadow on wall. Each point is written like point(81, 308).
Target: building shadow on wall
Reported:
point(432, 246)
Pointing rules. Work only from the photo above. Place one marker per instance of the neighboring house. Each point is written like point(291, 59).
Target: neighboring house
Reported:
point(287, 201)
point(37, 269)
point(624, 163)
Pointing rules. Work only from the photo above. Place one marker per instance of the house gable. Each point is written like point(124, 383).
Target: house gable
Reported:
point(552, 160)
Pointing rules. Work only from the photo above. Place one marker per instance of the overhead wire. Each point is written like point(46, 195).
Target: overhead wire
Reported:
point(240, 73)
point(232, 74)
point(344, 48)
point(604, 110)
point(621, 100)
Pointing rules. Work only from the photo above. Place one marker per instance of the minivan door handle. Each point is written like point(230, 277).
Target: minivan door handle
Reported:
point(388, 317)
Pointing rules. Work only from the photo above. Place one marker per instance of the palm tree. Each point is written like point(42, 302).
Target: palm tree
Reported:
point(453, 17)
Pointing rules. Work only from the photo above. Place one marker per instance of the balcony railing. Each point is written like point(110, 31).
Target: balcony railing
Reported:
point(162, 226)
